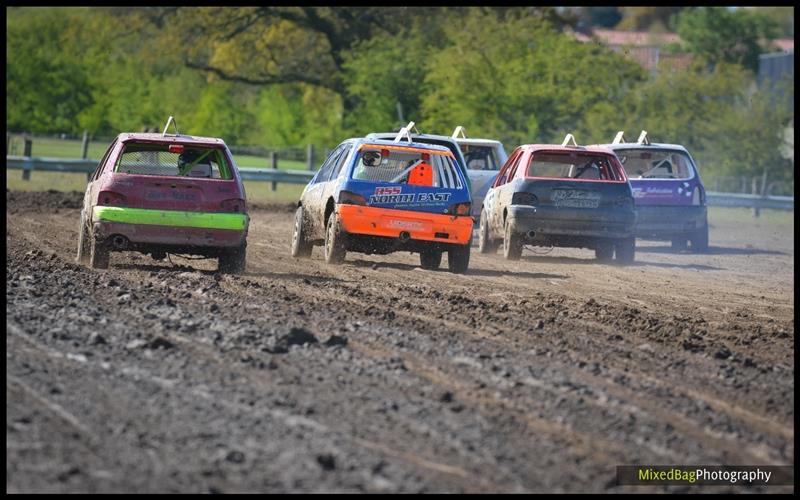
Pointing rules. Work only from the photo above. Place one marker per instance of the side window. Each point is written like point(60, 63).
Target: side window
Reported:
point(103, 161)
point(515, 168)
point(503, 177)
point(330, 162)
point(340, 162)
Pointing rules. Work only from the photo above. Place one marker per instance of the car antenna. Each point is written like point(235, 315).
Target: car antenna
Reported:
point(619, 138)
point(406, 131)
point(174, 124)
point(459, 130)
point(569, 138)
point(643, 139)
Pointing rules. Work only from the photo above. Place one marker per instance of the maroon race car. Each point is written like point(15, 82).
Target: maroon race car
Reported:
point(164, 193)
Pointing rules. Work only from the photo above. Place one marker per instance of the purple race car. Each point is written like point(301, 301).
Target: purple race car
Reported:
point(669, 195)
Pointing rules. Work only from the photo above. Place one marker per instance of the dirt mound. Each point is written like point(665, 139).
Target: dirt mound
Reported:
point(42, 201)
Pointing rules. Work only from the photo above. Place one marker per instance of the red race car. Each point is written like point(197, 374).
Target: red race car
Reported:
point(165, 193)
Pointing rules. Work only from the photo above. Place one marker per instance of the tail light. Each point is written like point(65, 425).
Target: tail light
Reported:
point(233, 205)
point(523, 198)
point(110, 198)
point(459, 209)
point(350, 198)
point(698, 196)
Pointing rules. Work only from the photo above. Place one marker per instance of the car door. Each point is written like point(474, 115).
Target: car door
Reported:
point(331, 185)
point(494, 201)
point(94, 185)
point(313, 197)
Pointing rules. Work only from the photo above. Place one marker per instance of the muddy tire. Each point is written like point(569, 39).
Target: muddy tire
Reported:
point(625, 250)
point(604, 251)
point(679, 243)
point(458, 258)
point(335, 249)
point(485, 243)
point(301, 247)
point(233, 261)
point(430, 259)
point(699, 240)
point(83, 242)
point(99, 253)
point(512, 244)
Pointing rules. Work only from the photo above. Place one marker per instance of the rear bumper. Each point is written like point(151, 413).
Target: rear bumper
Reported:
point(171, 228)
point(373, 221)
point(655, 221)
point(597, 223)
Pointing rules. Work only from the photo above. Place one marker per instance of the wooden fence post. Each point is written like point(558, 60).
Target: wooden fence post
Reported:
point(85, 144)
point(274, 160)
point(8, 142)
point(310, 157)
point(26, 173)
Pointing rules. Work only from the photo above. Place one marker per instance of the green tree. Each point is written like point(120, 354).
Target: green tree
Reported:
point(532, 84)
point(647, 18)
point(45, 88)
point(720, 35)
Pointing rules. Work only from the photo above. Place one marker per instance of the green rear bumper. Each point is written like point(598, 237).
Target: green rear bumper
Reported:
point(175, 218)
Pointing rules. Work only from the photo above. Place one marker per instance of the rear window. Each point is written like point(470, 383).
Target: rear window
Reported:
point(480, 157)
point(412, 167)
point(655, 164)
point(173, 160)
point(573, 165)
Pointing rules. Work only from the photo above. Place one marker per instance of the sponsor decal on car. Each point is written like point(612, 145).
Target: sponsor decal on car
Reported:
point(576, 198)
point(395, 195)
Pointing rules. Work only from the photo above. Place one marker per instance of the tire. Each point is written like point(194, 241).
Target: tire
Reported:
point(83, 242)
point(604, 250)
point(458, 258)
point(699, 240)
point(679, 243)
point(233, 261)
point(430, 259)
point(301, 247)
point(99, 253)
point(335, 249)
point(625, 250)
point(485, 243)
point(512, 244)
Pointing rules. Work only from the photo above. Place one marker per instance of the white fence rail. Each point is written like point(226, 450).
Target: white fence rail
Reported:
point(30, 164)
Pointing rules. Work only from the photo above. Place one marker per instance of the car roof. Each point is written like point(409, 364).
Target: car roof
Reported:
point(417, 145)
point(169, 138)
point(559, 147)
point(421, 136)
point(636, 145)
point(478, 142)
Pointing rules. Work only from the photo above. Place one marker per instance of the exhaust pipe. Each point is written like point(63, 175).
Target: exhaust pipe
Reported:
point(404, 237)
point(530, 234)
point(119, 242)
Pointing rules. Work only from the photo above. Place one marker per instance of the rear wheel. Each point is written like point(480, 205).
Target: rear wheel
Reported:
point(625, 250)
point(335, 250)
point(485, 243)
point(301, 247)
point(699, 240)
point(458, 258)
point(604, 250)
point(679, 243)
point(430, 259)
point(83, 242)
point(233, 260)
point(99, 253)
point(512, 244)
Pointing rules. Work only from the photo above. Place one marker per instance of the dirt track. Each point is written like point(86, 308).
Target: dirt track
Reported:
point(540, 375)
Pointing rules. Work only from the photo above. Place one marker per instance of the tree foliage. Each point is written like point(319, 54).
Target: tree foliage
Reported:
point(718, 34)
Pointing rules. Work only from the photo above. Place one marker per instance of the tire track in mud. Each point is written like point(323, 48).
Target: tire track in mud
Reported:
point(446, 383)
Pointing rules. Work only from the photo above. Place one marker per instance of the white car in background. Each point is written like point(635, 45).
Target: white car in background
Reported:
point(483, 158)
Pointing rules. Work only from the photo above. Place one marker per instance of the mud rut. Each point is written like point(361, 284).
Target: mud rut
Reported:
point(538, 375)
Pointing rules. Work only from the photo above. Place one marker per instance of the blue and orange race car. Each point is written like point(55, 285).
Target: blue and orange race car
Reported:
point(379, 196)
